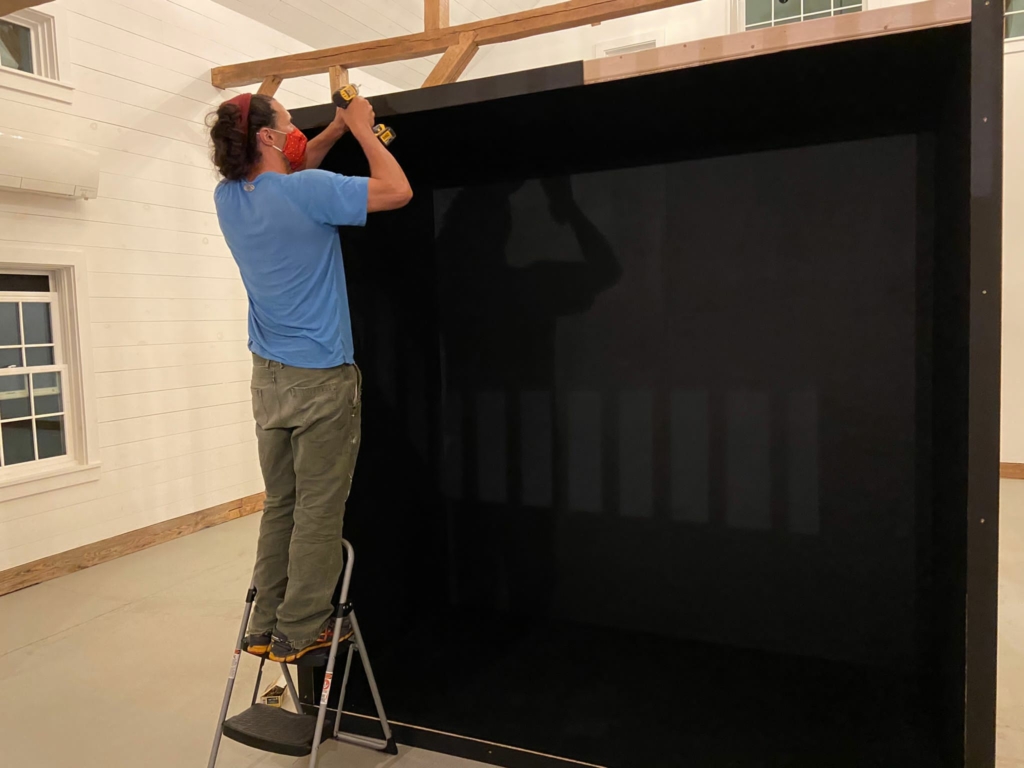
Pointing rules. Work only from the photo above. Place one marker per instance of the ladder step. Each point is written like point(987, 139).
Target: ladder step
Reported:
point(272, 729)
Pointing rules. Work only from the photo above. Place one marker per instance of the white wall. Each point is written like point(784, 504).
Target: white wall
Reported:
point(1013, 256)
point(693, 21)
point(168, 330)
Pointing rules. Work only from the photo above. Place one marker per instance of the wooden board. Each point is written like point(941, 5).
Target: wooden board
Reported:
point(514, 26)
point(435, 14)
point(1011, 470)
point(854, 26)
point(10, 6)
point(98, 552)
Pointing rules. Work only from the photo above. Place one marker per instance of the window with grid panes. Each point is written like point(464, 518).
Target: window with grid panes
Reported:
point(32, 372)
point(1013, 26)
point(771, 13)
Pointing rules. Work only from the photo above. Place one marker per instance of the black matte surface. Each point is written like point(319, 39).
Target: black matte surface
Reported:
point(272, 729)
point(773, 261)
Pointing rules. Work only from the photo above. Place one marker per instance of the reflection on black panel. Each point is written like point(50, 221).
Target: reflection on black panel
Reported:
point(644, 396)
point(748, 460)
point(689, 456)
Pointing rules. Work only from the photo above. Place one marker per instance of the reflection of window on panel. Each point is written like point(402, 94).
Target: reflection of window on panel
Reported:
point(636, 454)
point(759, 14)
point(1014, 24)
point(802, 462)
point(585, 491)
point(748, 460)
point(690, 447)
point(491, 447)
point(536, 437)
point(453, 454)
point(32, 372)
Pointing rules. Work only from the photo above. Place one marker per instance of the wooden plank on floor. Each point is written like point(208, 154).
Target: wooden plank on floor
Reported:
point(29, 574)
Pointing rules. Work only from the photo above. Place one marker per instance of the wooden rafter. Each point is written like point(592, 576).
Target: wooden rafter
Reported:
point(502, 29)
point(435, 14)
point(269, 86)
point(10, 6)
point(454, 61)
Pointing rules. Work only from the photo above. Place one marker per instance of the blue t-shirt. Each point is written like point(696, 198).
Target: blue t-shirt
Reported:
point(282, 231)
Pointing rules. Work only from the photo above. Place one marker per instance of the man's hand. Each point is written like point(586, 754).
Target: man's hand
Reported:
point(338, 123)
point(358, 116)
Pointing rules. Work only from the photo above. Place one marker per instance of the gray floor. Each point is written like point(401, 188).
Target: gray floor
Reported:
point(124, 664)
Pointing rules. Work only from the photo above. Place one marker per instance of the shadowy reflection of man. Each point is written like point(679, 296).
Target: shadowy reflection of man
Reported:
point(498, 326)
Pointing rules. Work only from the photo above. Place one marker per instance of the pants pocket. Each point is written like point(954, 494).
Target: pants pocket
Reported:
point(259, 409)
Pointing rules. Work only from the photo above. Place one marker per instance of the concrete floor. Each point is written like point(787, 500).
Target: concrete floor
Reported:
point(124, 664)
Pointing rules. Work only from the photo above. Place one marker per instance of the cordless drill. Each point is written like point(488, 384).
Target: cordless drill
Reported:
point(345, 95)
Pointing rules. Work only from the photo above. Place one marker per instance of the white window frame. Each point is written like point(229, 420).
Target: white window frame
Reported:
point(69, 317)
point(739, 21)
point(48, 25)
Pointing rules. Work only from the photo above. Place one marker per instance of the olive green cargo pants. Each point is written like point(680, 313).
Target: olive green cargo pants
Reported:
point(307, 431)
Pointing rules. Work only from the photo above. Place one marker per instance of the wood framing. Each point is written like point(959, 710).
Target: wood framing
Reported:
point(10, 6)
point(62, 564)
point(339, 77)
point(269, 86)
point(515, 26)
point(454, 61)
point(435, 14)
point(1011, 470)
point(884, 21)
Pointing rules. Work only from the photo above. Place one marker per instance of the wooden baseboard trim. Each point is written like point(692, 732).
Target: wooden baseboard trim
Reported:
point(61, 564)
point(1011, 471)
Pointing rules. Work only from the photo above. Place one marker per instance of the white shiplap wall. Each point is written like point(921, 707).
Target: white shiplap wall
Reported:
point(168, 331)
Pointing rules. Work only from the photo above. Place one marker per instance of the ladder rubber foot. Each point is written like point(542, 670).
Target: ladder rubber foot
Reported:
point(272, 729)
point(392, 747)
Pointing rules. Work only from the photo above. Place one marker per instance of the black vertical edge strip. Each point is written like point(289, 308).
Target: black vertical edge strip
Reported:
point(983, 427)
point(506, 86)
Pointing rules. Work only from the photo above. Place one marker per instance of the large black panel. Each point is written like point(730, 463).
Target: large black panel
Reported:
point(665, 452)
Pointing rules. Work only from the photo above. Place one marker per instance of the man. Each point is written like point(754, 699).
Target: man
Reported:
point(280, 218)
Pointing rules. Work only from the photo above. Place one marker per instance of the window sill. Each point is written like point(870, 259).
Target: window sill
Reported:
point(54, 90)
point(1014, 45)
point(28, 483)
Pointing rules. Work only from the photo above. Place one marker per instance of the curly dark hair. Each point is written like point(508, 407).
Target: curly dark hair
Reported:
point(234, 153)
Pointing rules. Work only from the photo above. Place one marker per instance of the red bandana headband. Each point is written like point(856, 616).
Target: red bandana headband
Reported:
point(242, 101)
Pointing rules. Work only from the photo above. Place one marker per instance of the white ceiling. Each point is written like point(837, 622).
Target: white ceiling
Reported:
point(326, 23)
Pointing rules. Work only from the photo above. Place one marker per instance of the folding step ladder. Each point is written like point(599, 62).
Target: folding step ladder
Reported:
point(273, 729)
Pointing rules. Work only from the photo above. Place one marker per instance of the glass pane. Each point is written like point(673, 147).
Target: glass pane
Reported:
point(1015, 25)
point(10, 358)
point(852, 4)
point(17, 436)
point(14, 397)
point(39, 356)
point(758, 11)
point(1014, 5)
point(36, 318)
point(15, 46)
point(843, 11)
point(817, 6)
point(46, 391)
point(10, 333)
point(786, 9)
point(37, 283)
point(50, 437)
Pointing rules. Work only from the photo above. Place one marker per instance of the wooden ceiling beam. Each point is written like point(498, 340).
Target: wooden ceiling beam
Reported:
point(435, 14)
point(10, 6)
point(502, 29)
point(454, 61)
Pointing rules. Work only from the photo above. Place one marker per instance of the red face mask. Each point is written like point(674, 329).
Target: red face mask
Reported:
point(294, 148)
